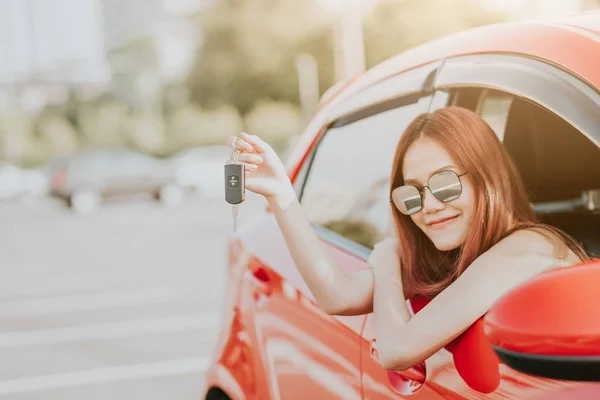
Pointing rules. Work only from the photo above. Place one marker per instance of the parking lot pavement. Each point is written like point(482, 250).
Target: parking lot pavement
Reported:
point(119, 304)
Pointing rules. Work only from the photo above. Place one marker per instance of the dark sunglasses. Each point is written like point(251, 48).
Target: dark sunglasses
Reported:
point(444, 185)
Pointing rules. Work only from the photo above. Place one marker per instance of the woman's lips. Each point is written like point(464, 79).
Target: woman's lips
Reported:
point(442, 223)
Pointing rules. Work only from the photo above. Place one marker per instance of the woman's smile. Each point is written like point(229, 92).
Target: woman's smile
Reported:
point(441, 223)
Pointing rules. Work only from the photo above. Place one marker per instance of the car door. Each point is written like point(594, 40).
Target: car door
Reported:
point(301, 352)
point(346, 194)
point(349, 198)
point(364, 216)
point(548, 121)
point(298, 351)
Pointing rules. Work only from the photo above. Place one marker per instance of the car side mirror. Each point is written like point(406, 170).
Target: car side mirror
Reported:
point(550, 325)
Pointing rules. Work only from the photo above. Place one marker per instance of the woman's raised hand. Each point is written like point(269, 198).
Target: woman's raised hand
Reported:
point(265, 172)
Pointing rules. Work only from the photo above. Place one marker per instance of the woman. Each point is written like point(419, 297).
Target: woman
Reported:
point(466, 234)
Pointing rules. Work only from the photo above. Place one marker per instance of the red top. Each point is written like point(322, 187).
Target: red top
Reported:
point(474, 358)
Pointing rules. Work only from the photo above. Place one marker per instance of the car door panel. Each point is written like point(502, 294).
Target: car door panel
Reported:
point(302, 352)
point(379, 383)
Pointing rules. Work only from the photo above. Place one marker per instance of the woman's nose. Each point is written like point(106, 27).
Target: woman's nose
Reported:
point(430, 203)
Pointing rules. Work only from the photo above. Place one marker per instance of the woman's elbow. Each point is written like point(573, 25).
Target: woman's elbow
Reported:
point(329, 307)
point(333, 309)
point(343, 310)
point(329, 310)
point(344, 307)
point(397, 359)
point(337, 308)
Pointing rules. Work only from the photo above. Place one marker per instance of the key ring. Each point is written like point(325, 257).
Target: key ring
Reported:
point(236, 152)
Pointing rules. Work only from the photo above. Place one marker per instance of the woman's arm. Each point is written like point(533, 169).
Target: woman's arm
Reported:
point(404, 342)
point(335, 291)
point(389, 303)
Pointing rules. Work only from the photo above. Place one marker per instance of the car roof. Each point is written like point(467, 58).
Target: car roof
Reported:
point(587, 20)
point(551, 41)
point(567, 42)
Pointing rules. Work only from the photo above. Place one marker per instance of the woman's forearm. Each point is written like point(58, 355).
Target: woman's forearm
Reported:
point(335, 291)
point(391, 314)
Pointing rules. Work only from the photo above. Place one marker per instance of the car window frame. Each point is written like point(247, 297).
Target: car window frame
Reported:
point(541, 82)
point(409, 91)
point(364, 99)
point(487, 94)
point(453, 92)
point(375, 97)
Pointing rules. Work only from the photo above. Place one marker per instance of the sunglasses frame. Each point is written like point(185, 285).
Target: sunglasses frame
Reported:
point(421, 190)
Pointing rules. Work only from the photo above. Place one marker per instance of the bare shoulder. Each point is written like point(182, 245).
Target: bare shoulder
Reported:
point(526, 241)
point(545, 248)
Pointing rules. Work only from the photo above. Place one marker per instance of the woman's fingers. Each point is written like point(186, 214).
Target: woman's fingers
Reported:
point(239, 144)
point(250, 167)
point(249, 143)
point(250, 158)
point(260, 145)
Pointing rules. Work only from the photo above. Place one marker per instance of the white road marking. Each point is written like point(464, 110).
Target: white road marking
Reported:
point(63, 304)
point(21, 285)
point(104, 375)
point(137, 327)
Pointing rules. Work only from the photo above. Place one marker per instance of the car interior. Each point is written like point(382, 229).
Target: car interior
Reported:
point(559, 165)
point(561, 170)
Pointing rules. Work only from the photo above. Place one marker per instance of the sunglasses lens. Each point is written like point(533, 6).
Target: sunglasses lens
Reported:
point(407, 199)
point(445, 186)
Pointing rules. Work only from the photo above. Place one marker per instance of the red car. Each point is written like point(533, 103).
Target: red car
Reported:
point(538, 86)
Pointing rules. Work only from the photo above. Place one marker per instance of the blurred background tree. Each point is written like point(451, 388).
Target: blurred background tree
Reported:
point(243, 76)
point(275, 121)
point(249, 49)
point(250, 45)
point(398, 25)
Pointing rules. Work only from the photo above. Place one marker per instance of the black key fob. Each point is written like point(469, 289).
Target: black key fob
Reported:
point(235, 190)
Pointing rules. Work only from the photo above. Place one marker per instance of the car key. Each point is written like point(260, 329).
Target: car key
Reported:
point(235, 189)
point(234, 183)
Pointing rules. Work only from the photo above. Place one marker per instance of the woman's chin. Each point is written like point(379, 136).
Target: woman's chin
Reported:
point(447, 242)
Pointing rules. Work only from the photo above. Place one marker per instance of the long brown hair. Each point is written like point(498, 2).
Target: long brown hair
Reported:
point(502, 206)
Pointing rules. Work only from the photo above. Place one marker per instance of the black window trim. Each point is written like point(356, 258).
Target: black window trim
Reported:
point(391, 104)
point(325, 234)
point(424, 83)
point(342, 242)
point(509, 72)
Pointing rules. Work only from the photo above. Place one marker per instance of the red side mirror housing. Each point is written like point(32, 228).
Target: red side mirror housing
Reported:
point(550, 325)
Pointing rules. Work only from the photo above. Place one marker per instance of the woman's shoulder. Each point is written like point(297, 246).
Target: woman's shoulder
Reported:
point(539, 242)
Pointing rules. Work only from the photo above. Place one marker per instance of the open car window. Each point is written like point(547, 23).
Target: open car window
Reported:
point(346, 192)
point(560, 166)
point(493, 108)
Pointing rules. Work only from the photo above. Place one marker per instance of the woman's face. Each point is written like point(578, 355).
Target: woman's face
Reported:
point(445, 224)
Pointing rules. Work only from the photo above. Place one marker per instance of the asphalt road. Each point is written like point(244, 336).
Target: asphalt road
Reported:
point(121, 304)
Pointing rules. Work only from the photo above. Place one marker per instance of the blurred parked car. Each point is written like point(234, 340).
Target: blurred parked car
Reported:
point(35, 182)
point(11, 181)
point(538, 85)
point(16, 182)
point(200, 169)
point(85, 180)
